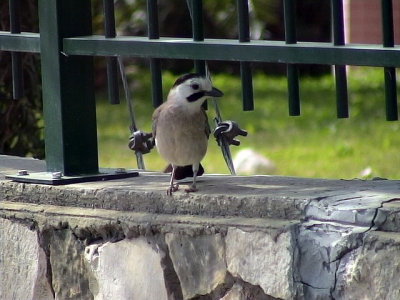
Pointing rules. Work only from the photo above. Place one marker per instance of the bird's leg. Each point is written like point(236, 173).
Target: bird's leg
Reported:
point(172, 187)
point(192, 187)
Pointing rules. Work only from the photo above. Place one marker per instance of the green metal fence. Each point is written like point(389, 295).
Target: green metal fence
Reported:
point(67, 46)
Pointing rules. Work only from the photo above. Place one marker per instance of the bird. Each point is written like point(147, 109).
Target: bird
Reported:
point(180, 127)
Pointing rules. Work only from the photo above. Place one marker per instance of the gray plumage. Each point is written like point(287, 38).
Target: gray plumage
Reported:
point(180, 125)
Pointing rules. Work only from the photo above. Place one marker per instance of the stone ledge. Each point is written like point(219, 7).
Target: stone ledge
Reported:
point(345, 201)
point(259, 237)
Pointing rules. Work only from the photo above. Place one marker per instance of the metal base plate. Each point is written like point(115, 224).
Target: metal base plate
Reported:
point(50, 179)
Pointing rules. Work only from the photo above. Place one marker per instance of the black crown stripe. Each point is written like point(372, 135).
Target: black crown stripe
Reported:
point(185, 77)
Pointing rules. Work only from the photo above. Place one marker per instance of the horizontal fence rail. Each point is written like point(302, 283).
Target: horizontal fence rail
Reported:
point(212, 49)
point(233, 50)
point(20, 42)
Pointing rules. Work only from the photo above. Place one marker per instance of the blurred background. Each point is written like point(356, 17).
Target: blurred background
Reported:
point(315, 144)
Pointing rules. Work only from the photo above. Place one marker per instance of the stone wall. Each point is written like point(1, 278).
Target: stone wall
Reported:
point(238, 238)
point(96, 254)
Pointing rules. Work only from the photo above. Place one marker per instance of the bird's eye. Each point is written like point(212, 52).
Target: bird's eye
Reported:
point(195, 86)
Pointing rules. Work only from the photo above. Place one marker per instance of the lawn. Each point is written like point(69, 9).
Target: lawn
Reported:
point(315, 144)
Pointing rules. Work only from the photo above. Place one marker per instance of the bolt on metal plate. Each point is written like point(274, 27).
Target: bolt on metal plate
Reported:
point(56, 175)
point(22, 172)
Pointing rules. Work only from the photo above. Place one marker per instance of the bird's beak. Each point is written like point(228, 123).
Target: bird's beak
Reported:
point(214, 93)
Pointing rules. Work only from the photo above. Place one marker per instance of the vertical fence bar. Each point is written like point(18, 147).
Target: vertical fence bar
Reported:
point(390, 72)
point(155, 64)
point(340, 70)
point(16, 59)
point(68, 89)
point(196, 13)
point(112, 62)
point(245, 67)
point(196, 7)
point(292, 69)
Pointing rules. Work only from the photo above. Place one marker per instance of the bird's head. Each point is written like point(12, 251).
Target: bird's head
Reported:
point(191, 90)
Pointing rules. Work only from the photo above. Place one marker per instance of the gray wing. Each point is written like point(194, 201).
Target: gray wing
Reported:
point(156, 114)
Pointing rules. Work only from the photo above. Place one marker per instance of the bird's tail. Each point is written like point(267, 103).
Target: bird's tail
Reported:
point(183, 172)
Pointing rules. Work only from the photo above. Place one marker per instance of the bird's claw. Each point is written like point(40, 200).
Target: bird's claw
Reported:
point(141, 142)
point(228, 130)
point(172, 188)
point(192, 188)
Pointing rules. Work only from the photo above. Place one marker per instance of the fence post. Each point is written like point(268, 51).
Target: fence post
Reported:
point(68, 92)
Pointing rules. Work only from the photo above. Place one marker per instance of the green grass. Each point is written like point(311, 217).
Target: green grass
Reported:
point(315, 144)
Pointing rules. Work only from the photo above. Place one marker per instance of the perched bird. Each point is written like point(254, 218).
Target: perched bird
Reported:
point(180, 126)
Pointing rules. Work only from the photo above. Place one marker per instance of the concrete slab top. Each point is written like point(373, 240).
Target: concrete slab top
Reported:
point(218, 195)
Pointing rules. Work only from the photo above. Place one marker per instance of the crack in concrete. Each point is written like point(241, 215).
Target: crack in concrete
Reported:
point(311, 286)
point(336, 278)
point(374, 218)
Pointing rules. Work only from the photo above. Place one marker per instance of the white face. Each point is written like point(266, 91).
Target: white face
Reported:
point(194, 86)
point(191, 90)
point(191, 93)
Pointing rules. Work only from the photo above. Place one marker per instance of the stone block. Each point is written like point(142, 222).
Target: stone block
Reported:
point(321, 247)
point(372, 270)
point(69, 273)
point(23, 264)
point(198, 261)
point(128, 269)
point(262, 258)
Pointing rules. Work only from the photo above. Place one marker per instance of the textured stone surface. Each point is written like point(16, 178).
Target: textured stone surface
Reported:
point(198, 261)
point(262, 258)
point(246, 196)
point(321, 247)
point(371, 271)
point(356, 209)
point(128, 269)
point(260, 237)
point(69, 273)
point(244, 291)
point(328, 260)
point(23, 264)
point(235, 293)
point(391, 211)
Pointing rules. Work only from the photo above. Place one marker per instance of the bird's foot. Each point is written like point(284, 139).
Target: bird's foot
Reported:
point(172, 188)
point(192, 188)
